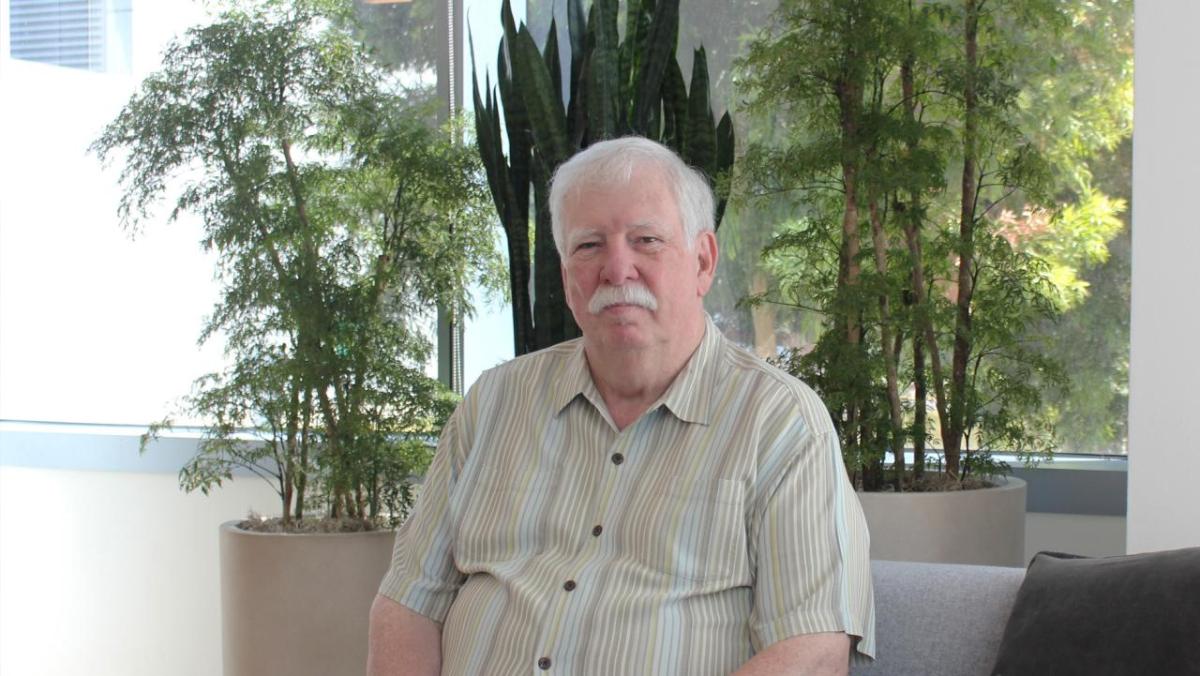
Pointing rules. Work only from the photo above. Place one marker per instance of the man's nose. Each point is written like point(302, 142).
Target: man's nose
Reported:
point(618, 264)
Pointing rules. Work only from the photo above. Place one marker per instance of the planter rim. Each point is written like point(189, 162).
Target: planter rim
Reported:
point(1011, 483)
point(232, 527)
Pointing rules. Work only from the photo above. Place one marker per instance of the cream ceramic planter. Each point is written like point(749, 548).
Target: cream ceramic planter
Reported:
point(297, 605)
point(984, 526)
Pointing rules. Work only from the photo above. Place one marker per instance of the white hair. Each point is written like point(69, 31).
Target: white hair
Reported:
point(612, 163)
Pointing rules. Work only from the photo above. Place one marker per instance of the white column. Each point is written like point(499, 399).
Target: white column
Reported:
point(1164, 410)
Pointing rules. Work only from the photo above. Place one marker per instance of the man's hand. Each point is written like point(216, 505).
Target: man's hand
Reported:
point(402, 642)
point(809, 655)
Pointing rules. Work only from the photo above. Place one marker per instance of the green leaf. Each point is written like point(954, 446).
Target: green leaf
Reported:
point(700, 140)
point(487, 137)
point(662, 39)
point(577, 31)
point(546, 114)
point(520, 152)
point(551, 58)
point(577, 104)
point(675, 107)
point(631, 50)
point(602, 83)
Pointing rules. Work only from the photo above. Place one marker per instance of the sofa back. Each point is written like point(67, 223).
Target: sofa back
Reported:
point(939, 619)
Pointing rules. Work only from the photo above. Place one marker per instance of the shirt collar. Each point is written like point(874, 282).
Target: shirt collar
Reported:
point(689, 397)
point(575, 379)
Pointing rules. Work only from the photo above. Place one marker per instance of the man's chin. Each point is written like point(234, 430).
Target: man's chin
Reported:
point(626, 329)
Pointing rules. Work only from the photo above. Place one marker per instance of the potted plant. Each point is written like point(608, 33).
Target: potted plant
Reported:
point(339, 216)
point(614, 87)
point(907, 144)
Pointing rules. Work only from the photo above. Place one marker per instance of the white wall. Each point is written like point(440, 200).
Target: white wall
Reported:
point(1083, 534)
point(113, 573)
point(1164, 441)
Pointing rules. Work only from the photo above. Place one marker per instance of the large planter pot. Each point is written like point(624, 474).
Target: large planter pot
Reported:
point(298, 604)
point(983, 526)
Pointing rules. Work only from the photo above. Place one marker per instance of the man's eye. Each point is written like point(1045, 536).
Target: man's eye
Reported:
point(586, 245)
point(649, 239)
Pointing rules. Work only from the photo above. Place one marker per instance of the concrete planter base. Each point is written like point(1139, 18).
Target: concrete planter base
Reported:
point(984, 526)
point(298, 604)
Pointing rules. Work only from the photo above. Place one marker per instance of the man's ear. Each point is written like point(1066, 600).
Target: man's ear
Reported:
point(706, 254)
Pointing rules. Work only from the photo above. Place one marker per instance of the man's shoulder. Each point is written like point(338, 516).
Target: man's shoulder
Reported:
point(534, 365)
point(771, 386)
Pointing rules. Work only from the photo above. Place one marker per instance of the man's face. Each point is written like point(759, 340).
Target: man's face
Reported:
point(619, 238)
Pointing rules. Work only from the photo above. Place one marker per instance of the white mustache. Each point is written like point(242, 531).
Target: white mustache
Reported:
point(634, 293)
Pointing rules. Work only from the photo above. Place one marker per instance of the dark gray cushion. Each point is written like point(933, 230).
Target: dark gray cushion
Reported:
point(1134, 615)
point(935, 619)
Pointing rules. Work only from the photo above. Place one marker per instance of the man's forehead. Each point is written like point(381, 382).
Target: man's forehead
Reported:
point(604, 213)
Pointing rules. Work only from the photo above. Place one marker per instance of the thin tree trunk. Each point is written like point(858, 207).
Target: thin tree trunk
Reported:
point(312, 331)
point(923, 310)
point(302, 474)
point(287, 464)
point(952, 434)
point(886, 339)
point(921, 396)
point(850, 96)
point(335, 450)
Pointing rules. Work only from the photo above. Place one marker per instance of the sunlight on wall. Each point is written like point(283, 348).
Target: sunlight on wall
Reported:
point(113, 573)
point(95, 327)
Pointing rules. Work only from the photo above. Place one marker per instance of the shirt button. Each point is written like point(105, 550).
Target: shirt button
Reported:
point(597, 530)
point(544, 663)
point(569, 585)
point(617, 458)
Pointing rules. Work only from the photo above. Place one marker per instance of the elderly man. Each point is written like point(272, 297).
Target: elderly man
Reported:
point(648, 499)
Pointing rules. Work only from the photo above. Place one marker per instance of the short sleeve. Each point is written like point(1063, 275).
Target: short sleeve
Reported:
point(422, 575)
point(809, 545)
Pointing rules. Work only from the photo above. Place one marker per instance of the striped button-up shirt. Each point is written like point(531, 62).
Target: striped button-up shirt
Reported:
point(720, 522)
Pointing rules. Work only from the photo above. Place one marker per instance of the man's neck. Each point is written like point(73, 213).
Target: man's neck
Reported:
point(630, 381)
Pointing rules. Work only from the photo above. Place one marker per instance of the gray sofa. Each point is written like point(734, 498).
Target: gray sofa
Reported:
point(936, 619)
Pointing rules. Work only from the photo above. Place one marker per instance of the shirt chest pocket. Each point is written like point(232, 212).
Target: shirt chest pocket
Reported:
point(692, 530)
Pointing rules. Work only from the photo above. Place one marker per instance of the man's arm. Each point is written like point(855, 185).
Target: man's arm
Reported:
point(402, 642)
point(806, 655)
point(810, 550)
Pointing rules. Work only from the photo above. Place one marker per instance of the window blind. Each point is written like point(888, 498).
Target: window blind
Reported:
point(67, 33)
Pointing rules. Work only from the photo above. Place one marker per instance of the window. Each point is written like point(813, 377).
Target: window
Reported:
point(1090, 336)
point(96, 325)
point(86, 34)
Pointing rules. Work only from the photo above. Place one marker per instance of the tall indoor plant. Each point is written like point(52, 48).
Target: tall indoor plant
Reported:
point(910, 145)
point(340, 215)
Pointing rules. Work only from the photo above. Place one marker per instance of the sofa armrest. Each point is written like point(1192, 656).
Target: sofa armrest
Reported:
point(934, 619)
